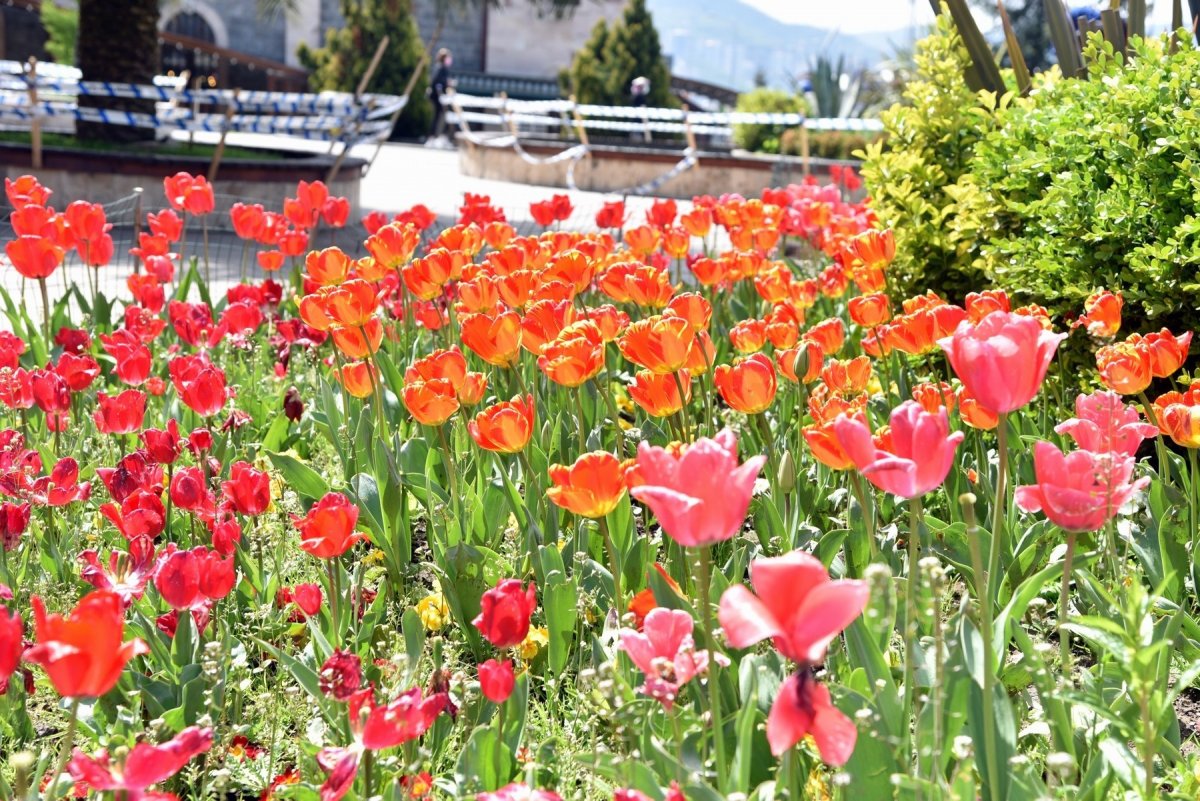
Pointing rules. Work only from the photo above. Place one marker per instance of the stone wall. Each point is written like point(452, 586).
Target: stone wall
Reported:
point(462, 33)
point(522, 42)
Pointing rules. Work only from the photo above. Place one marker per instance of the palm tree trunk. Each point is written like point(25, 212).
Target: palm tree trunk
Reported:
point(118, 42)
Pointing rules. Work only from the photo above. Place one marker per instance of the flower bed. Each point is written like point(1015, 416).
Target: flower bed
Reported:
point(626, 515)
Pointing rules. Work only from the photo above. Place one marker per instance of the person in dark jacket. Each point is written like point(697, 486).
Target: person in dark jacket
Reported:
point(437, 88)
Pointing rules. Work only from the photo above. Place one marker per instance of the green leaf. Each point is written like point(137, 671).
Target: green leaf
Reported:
point(299, 476)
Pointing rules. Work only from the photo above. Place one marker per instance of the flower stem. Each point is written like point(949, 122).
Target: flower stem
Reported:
point(714, 690)
point(64, 753)
point(1064, 637)
point(912, 631)
point(614, 566)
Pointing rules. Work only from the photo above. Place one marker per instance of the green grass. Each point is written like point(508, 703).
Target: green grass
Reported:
point(170, 148)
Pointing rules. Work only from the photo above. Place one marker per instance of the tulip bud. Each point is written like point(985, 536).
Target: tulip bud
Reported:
point(787, 473)
point(293, 405)
point(800, 363)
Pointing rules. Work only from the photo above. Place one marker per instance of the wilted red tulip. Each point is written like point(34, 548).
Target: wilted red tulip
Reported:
point(328, 530)
point(505, 611)
point(83, 653)
point(341, 675)
point(143, 766)
point(700, 496)
point(496, 680)
point(14, 519)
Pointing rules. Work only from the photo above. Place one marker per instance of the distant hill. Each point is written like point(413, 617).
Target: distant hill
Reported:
point(727, 42)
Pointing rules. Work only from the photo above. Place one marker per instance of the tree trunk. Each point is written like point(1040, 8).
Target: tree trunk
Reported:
point(118, 42)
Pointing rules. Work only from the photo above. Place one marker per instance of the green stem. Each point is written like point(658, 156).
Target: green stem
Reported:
point(579, 412)
point(64, 753)
point(860, 494)
point(714, 690)
point(912, 631)
point(683, 406)
point(613, 565)
point(1064, 637)
point(1164, 466)
point(606, 393)
point(335, 599)
point(987, 624)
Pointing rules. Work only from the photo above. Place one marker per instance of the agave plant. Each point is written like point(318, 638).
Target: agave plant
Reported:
point(830, 97)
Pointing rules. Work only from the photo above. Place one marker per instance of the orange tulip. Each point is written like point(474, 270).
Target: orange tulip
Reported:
point(358, 378)
point(641, 284)
point(353, 344)
point(833, 281)
point(353, 303)
point(544, 321)
point(913, 333)
point(774, 284)
point(494, 338)
point(642, 240)
point(804, 293)
point(710, 272)
point(1126, 367)
point(504, 427)
point(869, 311)
point(981, 304)
point(974, 414)
point(480, 294)
point(868, 280)
point(1102, 314)
point(466, 239)
point(393, 244)
point(826, 447)
point(676, 242)
point(591, 487)
point(790, 365)
point(314, 309)
point(84, 652)
point(658, 393)
point(1178, 415)
point(692, 307)
point(34, 256)
point(875, 248)
point(1039, 313)
point(516, 288)
point(847, 377)
point(498, 234)
point(327, 267)
point(697, 222)
point(748, 336)
point(783, 325)
point(701, 354)
point(1167, 352)
point(660, 344)
point(610, 320)
point(876, 343)
point(448, 364)
point(426, 277)
point(432, 402)
point(472, 389)
point(748, 385)
point(829, 334)
point(933, 396)
point(572, 268)
point(574, 356)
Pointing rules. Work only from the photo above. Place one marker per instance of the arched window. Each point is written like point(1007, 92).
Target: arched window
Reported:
point(192, 25)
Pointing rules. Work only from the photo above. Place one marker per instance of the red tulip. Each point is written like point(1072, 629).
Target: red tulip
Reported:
point(11, 645)
point(496, 680)
point(1079, 491)
point(14, 519)
point(505, 611)
point(190, 579)
point(142, 767)
point(803, 708)
point(248, 489)
point(126, 574)
point(327, 531)
point(701, 496)
point(83, 653)
point(200, 384)
point(163, 446)
point(140, 514)
point(34, 256)
point(915, 457)
point(120, 414)
point(341, 675)
point(1002, 359)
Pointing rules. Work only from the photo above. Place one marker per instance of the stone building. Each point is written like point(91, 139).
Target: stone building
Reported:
point(511, 40)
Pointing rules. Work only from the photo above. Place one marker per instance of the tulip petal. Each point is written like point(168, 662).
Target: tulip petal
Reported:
point(745, 619)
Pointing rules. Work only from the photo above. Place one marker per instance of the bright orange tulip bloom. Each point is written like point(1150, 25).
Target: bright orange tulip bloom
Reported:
point(697, 222)
point(544, 321)
point(658, 393)
point(498, 234)
point(912, 333)
point(327, 267)
point(83, 653)
point(426, 277)
point(870, 311)
point(466, 239)
point(747, 385)
point(710, 272)
point(642, 240)
point(431, 403)
point(933, 396)
point(352, 343)
point(506, 260)
point(516, 288)
point(847, 377)
point(701, 355)
point(314, 309)
point(574, 356)
point(1126, 367)
point(876, 248)
point(981, 304)
point(790, 365)
point(1178, 415)
point(833, 281)
point(591, 487)
point(480, 294)
point(358, 378)
point(1167, 351)
point(974, 414)
point(353, 303)
point(660, 344)
point(393, 244)
point(642, 284)
point(610, 320)
point(929, 300)
point(748, 336)
point(472, 389)
point(368, 269)
point(1101, 314)
point(804, 293)
point(448, 364)
point(868, 280)
point(504, 427)
point(692, 307)
point(1037, 312)
point(572, 268)
point(876, 343)
point(829, 334)
point(676, 242)
point(494, 338)
point(783, 325)
point(826, 447)
point(774, 283)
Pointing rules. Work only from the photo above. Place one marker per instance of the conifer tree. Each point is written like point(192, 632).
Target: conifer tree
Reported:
point(613, 56)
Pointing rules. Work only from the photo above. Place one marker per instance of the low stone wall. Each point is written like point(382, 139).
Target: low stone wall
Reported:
point(102, 177)
point(617, 170)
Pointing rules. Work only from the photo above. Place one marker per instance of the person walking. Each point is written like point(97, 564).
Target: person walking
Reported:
point(437, 88)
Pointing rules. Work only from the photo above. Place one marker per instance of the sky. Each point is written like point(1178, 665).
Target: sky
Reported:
point(860, 16)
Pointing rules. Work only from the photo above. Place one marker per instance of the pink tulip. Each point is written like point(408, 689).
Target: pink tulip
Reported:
point(1079, 491)
point(702, 496)
point(1002, 359)
point(665, 652)
point(803, 707)
point(1103, 423)
point(794, 603)
point(915, 455)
